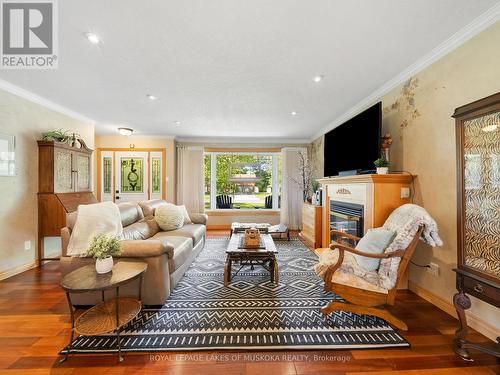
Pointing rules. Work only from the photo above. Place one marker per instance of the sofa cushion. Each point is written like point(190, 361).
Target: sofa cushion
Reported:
point(149, 207)
point(141, 230)
point(187, 219)
point(130, 212)
point(183, 248)
point(193, 231)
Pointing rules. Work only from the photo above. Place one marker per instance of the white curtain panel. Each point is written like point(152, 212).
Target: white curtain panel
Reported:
point(291, 202)
point(190, 178)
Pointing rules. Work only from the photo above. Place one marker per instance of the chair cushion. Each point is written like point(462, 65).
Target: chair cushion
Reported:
point(183, 247)
point(193, 231)
point(349, 265)
point(142, 230)
point(169, 217)
point(349, 279)
point(375, 241)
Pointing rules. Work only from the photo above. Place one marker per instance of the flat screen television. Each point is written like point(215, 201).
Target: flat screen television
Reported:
point(355, 144)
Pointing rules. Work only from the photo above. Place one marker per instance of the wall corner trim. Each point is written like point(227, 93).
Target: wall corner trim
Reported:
point(473, 320)
point(34, 98)
point(470, 30)
point(5, 274)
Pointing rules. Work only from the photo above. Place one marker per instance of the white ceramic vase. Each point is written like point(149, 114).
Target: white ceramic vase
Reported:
point(382, 170)
point(104, 265)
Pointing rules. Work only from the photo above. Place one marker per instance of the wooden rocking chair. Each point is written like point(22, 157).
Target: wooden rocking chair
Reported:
point(363, 301)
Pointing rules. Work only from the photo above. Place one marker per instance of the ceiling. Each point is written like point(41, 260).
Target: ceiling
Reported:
point(236, 68)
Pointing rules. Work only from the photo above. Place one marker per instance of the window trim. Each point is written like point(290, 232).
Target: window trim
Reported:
point(274, 153)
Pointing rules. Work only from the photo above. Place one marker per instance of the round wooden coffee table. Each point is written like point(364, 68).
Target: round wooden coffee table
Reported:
point(107, 316)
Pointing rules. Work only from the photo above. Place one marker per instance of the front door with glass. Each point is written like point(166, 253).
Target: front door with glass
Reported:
point(131, 175)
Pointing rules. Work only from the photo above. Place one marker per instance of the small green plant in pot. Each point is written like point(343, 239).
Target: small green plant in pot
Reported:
point(382, 165)
point(102, 248)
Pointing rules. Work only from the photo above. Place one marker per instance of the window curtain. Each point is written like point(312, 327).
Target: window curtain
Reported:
point(291, 203)
point(190, 178)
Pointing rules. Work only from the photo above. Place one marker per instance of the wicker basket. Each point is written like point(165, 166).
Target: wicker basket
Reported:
point(252, 238)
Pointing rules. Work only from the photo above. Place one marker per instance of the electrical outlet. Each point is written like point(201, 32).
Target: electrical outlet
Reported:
point(405, 192)
point(27, 245)
point(433, 269)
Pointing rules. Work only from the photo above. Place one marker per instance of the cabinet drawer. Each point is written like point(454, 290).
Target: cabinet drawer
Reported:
point(482, 290)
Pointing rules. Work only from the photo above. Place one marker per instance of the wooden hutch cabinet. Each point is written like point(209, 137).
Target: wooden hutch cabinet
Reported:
point(64, 182)
point(478, 216)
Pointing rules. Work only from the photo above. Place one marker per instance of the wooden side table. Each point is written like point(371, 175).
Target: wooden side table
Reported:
point(107, 316)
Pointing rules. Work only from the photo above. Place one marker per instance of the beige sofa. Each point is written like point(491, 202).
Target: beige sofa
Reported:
point(167, 253)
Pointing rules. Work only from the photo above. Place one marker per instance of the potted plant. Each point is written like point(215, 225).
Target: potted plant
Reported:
point(382, 165)
point(102, 248)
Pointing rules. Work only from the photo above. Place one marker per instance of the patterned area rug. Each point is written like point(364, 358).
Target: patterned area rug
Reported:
point(251, 313)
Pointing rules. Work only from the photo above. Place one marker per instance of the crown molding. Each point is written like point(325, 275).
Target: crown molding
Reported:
point(133, 135)
point(479, 24)
point(242, 140)
point(34, 98)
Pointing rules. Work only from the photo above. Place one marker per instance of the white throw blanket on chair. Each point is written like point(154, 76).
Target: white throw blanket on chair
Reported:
point(92, 220)
point(405, 221)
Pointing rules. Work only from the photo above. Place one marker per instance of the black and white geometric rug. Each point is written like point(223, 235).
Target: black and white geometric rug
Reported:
point(251, 313)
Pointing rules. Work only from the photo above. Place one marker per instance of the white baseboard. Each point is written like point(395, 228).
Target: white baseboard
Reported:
point(4, 274)
point(473, 320)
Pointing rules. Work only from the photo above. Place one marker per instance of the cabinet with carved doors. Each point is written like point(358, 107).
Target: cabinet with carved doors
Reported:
point(64, 182)
point(478, 216)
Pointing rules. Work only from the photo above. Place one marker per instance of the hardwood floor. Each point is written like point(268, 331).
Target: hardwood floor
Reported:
point(35, 325)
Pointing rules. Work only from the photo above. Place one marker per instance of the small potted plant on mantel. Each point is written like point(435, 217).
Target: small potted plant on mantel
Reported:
point(382, 165)
point(102, 248)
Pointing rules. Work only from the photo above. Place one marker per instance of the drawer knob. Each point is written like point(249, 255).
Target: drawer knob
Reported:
point(478, 288)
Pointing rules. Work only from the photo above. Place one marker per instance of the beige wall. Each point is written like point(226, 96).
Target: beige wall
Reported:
point(18, 199)
point(426, 147)
point(120, 141)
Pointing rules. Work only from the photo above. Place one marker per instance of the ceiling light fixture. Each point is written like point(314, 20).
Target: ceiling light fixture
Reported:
point(125, 131)
point(151, 97)
point(177, 122)
point(93, 38)
point(490, 128)
point(294, 113)
point(318, 79)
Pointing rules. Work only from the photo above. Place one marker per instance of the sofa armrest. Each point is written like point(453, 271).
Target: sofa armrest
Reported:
point(65, 236)
point(145, 249)
point(198, 218)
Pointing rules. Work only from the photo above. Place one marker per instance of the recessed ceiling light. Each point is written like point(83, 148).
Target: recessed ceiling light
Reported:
point(125, 131)
point(177, 122)
point(93, 38)
point(318, 78)
point(294, 113)
point(151, 97)
point(490, 128)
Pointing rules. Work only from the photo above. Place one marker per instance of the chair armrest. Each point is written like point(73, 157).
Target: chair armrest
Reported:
point(199, 218)
point(338, 233)
point(394, 254)
point(342, 249)
point(145, 249)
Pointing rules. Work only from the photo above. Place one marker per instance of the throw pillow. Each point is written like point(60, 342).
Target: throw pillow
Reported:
point(187, 219)
point(169, 217)
point(375, 241)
